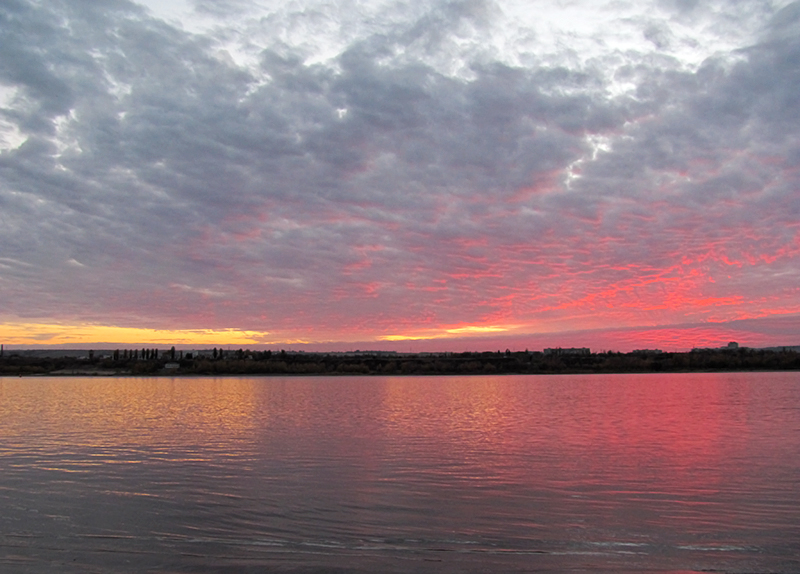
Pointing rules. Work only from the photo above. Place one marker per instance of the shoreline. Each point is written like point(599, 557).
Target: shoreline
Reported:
point(465, 364)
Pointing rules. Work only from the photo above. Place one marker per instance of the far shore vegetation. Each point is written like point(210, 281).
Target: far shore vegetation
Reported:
point(154, 362)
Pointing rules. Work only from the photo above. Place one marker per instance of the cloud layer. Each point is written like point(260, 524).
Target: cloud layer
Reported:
point(321, 171)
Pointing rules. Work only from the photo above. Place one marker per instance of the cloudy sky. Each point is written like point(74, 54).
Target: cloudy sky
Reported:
point(400, 175)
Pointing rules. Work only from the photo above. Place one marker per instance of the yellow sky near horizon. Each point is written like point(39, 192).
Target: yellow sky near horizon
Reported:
point(58, 334)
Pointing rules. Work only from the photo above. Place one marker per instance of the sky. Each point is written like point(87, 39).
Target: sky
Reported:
point(430, 175)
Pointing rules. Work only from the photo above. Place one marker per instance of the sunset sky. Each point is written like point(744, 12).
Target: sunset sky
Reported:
point(428, 175)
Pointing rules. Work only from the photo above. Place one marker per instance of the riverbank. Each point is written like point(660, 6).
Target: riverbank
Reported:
point(524, 362)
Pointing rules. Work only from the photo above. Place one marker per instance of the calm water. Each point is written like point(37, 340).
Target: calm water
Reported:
point(420, 474)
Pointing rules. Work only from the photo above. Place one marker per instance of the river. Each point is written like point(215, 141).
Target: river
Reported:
point(312, 475)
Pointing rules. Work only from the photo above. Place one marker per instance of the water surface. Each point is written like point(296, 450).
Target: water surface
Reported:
point(598, 473)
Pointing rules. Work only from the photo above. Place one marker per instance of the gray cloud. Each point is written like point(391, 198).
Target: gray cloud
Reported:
point(162, 184)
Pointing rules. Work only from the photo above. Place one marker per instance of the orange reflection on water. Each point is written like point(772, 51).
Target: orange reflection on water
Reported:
point(152, 415)
point(678, 430)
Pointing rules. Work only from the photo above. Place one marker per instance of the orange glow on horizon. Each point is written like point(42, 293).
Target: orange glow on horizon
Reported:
point(55, 334)
point(586, 332)
point(444, 333)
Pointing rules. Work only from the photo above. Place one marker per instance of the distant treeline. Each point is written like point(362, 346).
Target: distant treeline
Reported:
point(246, 362)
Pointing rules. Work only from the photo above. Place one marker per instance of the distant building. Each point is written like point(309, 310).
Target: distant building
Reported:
point(568, 351)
